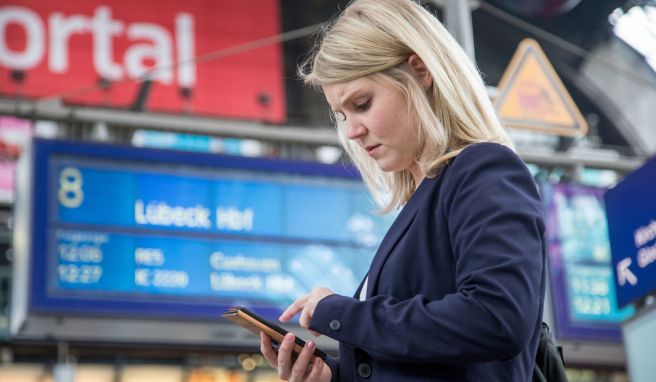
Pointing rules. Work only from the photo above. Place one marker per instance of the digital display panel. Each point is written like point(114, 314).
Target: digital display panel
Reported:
point(126, 231)
point(581, 276)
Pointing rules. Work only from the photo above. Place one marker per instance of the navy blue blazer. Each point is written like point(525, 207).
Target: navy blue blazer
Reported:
point(456, 288)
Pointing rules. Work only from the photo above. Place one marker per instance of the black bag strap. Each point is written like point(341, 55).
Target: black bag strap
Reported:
point(549, 360)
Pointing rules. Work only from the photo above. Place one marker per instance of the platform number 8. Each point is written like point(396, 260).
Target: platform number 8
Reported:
point(70, 187)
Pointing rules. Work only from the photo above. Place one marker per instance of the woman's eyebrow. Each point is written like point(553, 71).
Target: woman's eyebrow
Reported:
point(348, 97)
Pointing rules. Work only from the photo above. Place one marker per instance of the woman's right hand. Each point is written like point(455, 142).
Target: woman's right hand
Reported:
point(299, 370)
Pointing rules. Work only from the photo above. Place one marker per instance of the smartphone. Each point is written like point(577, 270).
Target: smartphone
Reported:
point(256, 324)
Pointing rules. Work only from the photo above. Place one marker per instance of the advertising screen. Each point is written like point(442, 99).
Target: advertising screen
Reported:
point(126, 231)
point(198, 56)
point(581, 276)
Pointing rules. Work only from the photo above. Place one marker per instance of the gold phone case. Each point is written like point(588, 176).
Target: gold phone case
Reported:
point(256, 324)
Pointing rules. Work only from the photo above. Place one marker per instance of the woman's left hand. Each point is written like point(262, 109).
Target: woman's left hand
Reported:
point(306, 304)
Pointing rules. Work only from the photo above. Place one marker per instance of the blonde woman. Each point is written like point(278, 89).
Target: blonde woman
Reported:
point(455, 291)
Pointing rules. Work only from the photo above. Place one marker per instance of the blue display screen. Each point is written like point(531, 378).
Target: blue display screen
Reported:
point(150, 232)
point(582, 285)
point(214, 203)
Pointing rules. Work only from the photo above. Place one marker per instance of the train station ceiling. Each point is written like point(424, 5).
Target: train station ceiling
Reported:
point(576, 35)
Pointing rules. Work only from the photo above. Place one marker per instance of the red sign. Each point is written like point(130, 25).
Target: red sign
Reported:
point(97, 52)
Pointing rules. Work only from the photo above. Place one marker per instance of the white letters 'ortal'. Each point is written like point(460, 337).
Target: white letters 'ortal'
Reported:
point(152, 43)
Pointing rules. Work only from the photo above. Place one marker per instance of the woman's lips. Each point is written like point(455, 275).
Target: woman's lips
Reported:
point(372, 149)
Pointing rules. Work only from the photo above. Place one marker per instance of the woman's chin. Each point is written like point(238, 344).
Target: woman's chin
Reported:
point(388, 167)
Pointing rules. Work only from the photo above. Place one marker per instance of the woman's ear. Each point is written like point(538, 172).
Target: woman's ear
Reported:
point(420, 71)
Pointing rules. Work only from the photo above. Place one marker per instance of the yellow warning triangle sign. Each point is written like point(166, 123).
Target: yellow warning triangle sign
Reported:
point(531, 96)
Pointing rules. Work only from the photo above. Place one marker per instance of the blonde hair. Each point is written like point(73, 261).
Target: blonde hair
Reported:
point(376, 38)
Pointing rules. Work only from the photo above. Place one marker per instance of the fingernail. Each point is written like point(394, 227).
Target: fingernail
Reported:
point(310, 345)
point(289, 337)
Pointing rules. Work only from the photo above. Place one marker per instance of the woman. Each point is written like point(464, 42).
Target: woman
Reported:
point(455, 291)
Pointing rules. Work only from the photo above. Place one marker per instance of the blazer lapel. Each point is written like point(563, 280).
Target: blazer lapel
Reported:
point(395, 232)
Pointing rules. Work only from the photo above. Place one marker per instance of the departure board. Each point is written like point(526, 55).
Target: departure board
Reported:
point(142, 232)
point(582, 286)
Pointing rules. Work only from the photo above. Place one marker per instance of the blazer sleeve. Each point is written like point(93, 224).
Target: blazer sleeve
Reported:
point(333, 364)
point(496, 230)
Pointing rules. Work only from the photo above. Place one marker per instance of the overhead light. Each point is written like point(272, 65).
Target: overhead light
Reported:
point(637, 27)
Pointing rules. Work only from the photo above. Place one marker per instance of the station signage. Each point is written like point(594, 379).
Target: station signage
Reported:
point(632, 228)
point(99, 53)
point(532, 96)
point(142, 232)
point(581, 277)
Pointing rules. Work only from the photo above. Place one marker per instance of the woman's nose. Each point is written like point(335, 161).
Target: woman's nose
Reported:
point(355, 129)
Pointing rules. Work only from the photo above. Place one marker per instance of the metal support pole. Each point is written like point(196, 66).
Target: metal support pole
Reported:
point(64, 370)
point(457, 14)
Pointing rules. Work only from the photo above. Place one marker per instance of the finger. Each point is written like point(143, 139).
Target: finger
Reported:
point(317, 368)
point(306, 315)
point(267, 350)
point(316, 334)
point(301, 364)
point(294, 308)
point(285, 356)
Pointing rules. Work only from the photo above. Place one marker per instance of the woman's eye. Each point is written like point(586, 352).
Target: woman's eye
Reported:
point(362, 106)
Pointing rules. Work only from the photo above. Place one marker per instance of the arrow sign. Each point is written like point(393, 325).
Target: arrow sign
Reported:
point(624, 274)
point(630, 209)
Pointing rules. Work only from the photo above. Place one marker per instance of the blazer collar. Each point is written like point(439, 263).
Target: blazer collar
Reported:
point(396, 231)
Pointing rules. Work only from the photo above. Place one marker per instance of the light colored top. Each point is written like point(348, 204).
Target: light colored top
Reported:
point(363, 291)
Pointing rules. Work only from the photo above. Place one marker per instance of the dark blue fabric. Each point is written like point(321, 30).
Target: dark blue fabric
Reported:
point(456, 289)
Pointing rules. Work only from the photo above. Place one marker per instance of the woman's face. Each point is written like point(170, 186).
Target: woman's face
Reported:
point(376, 116)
